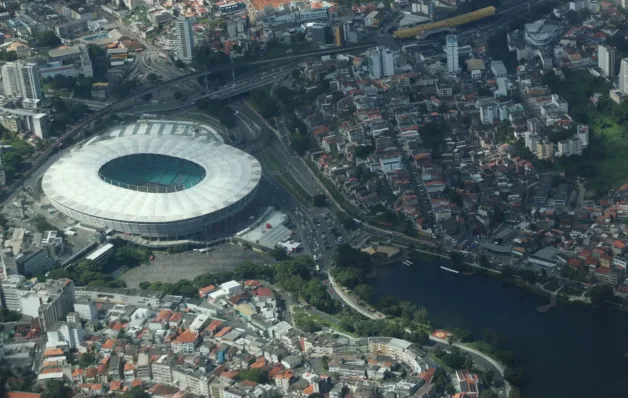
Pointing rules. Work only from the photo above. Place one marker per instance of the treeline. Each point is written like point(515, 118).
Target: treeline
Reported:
point(217, 109)
point(81, 86)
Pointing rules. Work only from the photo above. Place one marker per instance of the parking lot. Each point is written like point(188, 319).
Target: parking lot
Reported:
point(174, 267)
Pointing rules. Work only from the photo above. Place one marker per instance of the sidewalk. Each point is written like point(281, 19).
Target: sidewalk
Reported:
point(352, 302)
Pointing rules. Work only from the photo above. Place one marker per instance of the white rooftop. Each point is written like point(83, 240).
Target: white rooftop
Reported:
point(74, 181)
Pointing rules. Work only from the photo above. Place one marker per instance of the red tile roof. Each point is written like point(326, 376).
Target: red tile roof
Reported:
point(186, 337)
point(20, 394)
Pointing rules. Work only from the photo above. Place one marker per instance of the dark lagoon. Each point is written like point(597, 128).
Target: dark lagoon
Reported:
point(571, 351)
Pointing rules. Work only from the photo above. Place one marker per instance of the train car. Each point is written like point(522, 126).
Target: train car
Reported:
point(446, 23)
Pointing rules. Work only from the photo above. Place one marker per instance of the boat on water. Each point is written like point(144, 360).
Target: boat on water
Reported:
point(450, 270)
point(407, 263)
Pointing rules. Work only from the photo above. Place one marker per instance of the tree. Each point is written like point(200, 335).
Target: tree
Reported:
point(147, 96)
point(508, 272)
point(320, 200)
point(179, 64)
point(86, 360)
point(152, 77)
point(55, 389)
point(278, 253)
point(488, 377)
point(258, 376)
point(144, 285)
point(514, 375)
point(421, 315)
point(514, 392)
point(450, 389)
point(135, 392)
point(488, 394)
point(364, 292)
point(601, 294)
point(325, 363)
point(47, 39)
point(178, 95)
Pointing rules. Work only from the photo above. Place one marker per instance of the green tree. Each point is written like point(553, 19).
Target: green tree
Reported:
point(514, 375)
point(364, 292)
point(600, 294)
point(147, 96)
point(144, 285)
point(421, 315)
point(179, 64)
point(450, 389)
point(488, 394)
point(258, 376)
point(152, 77)
point(47, 39)
point(514, 392)
point(86, 360)
point(55, 389)
point(488, 377)
point(135, 392)
point(325, 363)
point(306, 324)
point(508, 272)
point(278, 253)
point(178, 95)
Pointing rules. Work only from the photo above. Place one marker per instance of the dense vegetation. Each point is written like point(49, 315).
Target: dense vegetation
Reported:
point(15, 160)
point(66, 113)
point(93, 274)
point(219, 110)
point(81, 86)
point(602, 164)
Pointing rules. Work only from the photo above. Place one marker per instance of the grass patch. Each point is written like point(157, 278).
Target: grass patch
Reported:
point(300, 313)
point(272, 162)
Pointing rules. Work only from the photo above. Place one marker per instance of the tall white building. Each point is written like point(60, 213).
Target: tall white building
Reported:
point(14, 287)
point(22, 79)
point(67, 334)
point(451, 44)
point(606, 60)
point(381, 62)
point(489, 111)
point(623, 75)
point(184, 48)
point(30, 85)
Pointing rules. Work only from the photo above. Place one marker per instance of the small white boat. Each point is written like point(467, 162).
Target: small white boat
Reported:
point(450, 270)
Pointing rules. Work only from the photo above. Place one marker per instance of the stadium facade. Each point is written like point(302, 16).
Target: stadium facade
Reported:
point(159, 180)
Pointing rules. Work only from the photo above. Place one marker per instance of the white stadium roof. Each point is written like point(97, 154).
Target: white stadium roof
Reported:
point(74, 182)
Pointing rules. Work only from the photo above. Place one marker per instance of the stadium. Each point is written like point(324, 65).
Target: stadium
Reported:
point(159, 180)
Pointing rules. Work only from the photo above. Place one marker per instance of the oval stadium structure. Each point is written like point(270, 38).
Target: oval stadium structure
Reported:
point(162, 186)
